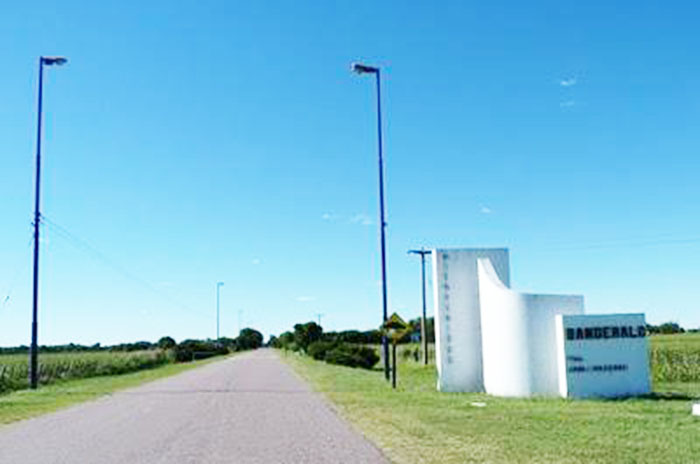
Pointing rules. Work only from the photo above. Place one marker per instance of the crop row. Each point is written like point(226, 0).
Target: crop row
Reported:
point(675, 364)
point(54, 367)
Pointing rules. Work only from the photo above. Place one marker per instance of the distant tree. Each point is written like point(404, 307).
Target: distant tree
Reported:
point(415, 328)
point(285, 341)
point(305, 334)
point(249, 339)
point(665, 328)
point(166, 343)
point(136, 346)
point(272, 342)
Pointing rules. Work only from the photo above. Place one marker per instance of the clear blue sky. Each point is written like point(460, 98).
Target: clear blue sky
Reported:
point(197, 141)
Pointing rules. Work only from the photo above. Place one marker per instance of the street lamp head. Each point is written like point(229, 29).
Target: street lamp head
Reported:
point(364, 69)
point(422, 251)
point(54, 60)
point(219, 284)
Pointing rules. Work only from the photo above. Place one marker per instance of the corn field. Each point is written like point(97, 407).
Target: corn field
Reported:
point(675, 358)
point(54, 367)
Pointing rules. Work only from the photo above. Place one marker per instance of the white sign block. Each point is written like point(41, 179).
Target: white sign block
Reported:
point(602, 355)
point(696, 409)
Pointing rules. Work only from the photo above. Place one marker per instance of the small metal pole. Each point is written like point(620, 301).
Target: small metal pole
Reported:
point(218, 286)
point(393, 361)
point(423, 322)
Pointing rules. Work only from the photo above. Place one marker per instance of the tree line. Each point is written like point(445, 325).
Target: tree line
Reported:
point(302, 333)
point(186, 350)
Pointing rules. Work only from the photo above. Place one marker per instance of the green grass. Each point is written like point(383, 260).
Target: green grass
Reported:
point(24, 404)
point(417, 424)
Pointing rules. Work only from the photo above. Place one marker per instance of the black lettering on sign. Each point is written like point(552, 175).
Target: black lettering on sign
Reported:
point(605, 332)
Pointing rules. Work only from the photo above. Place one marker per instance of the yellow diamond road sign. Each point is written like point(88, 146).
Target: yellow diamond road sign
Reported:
point(395, 322)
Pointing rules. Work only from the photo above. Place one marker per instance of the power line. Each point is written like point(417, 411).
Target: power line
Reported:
point(99, 256)
point(19, 269)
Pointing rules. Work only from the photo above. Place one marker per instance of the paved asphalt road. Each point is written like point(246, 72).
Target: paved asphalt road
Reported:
point(247, 409)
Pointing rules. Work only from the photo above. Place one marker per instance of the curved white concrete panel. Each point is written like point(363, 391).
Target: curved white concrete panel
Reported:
point(518, 334)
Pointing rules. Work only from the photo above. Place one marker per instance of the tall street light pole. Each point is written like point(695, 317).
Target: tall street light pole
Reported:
point(364, 69)
point(218, 286)
point(34, 349)
point(423, 329)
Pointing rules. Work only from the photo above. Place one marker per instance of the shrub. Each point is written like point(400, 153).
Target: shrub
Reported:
point(352, 356)
point(189, 350)
point(319, 349)
point(409, 353)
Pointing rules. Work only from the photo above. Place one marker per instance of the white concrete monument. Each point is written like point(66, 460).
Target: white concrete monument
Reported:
point(458, 319)
point(493, 339)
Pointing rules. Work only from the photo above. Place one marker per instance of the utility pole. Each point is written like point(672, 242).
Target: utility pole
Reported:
point(34, 349)
point(218, 286)
point(319, 316)
point(364, 69)
point(423, 329)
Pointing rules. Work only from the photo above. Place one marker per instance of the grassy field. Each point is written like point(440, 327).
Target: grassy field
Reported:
point(55, 367)
point(417, 424)
point(29, 403)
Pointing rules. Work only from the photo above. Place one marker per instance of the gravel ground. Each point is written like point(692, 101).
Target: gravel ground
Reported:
point(247, 409)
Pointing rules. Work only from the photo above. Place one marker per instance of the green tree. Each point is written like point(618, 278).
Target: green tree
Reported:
point(249, 339)
point(306, 334)
point(166, 343)
point(285, 341)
